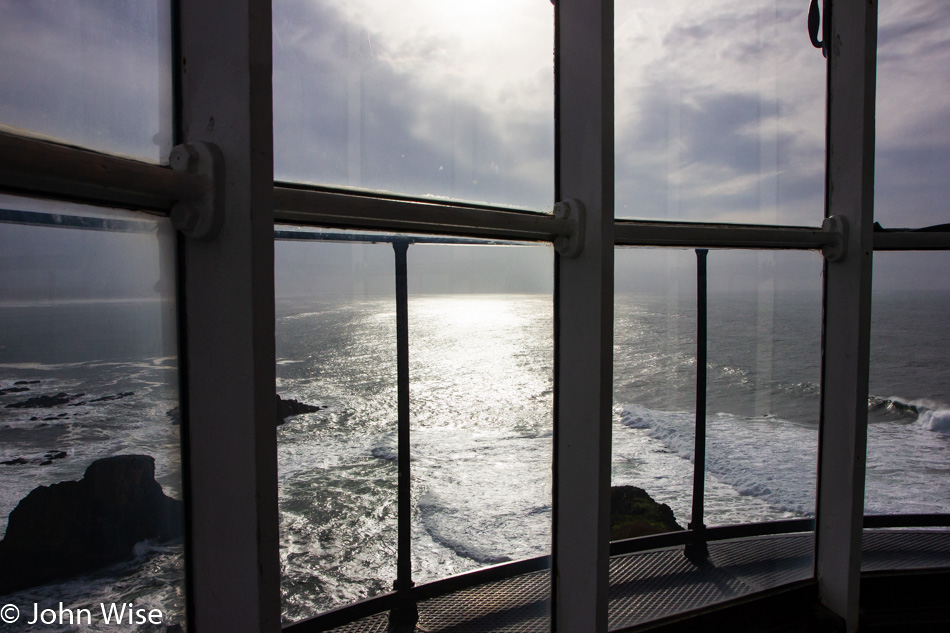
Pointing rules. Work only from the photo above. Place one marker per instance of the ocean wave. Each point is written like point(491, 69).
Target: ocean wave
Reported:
point(929, 414)
point(465, 533)
point(767, 457)
point(893, 405)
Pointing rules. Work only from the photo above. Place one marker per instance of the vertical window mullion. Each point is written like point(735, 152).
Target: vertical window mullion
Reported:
point(584, 316)
point(847, 306)
point(225, 73)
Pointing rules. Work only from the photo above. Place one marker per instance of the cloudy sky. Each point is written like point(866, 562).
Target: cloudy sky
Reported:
point(719, 117)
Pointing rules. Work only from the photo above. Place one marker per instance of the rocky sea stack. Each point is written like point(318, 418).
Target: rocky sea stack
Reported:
point(634, 513)
point(289, 407)
point(74, 527)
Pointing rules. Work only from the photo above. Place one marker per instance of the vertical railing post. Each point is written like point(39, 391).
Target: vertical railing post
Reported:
point(696, 549)
point(404, 614)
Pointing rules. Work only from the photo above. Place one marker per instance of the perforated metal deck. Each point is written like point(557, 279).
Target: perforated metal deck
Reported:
point(648, 585)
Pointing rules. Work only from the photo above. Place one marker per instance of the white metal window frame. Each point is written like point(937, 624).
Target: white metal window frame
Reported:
point(226, 292)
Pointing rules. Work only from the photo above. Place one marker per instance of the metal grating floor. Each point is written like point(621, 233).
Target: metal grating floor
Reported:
point(648, 585)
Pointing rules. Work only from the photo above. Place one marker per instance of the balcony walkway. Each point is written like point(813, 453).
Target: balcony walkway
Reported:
point(653, 584)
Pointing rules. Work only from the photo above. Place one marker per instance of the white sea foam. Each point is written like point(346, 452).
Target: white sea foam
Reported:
point(937, 421)
point(768, 458)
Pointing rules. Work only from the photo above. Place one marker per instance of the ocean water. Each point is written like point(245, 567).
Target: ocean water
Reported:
point(481, 398)
point(121, 356)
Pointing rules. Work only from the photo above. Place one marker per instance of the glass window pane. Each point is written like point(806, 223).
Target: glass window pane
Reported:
point(912, 157)
point(654, 373)
point(422, 98)
point(762, 372)
point(719, 112)
point(909, 401)
point(481, 382)
point(336, 372)
point(763, 378)
point(480, 353)
point(763, 320)
point(89, 415)
point(93, 73)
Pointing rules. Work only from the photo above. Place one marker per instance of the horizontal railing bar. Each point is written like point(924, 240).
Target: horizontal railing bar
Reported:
point(872, 521)
point(86, 223)
point(911, 240)
point(701, 235)
point(368, 211)
point(653, 541)
point(292, 235)
point(480, 576)
point(717, 533)
point(30, 166)
point(37, 167)
point(765, 528)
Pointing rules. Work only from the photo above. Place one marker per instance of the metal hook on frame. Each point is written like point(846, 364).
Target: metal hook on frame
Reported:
point(815, 21)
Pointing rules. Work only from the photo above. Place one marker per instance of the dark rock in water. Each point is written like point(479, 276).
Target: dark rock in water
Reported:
point(117, 396)
point(74, 527)
point(44, 402)
point(4, 392)
point(634, 513)
point(174, 415)
point(26, 382)
point(46, 460)
point(892, 406)
point(290, 407)
point(49, 457)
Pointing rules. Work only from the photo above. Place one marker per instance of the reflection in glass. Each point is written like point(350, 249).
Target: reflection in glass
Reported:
point(762, 381)
point(421, 98)
point(654, 373)
point(92, 73)
point(89, 409)
point(912, 155)
point(719, 112)
point(909, 393)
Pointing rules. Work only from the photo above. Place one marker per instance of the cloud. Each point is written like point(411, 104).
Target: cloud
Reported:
point(719, 114)
point(89, 72)
point(377, 103)
point(913, 135)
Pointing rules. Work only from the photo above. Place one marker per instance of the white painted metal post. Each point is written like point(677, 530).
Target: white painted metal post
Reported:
point(584, 317)
point(847, 308)
point(225, 66)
